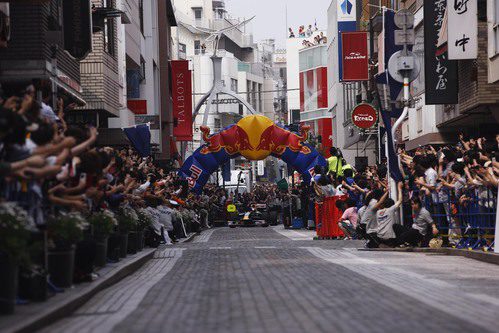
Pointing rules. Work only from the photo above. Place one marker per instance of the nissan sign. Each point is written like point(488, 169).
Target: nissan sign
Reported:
point(364, 116)
point(355, 60)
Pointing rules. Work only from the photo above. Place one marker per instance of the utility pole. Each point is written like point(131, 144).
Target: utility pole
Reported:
point(54, 49)
point(403, 67)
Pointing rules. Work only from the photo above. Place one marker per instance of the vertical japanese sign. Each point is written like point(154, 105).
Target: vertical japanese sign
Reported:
point(462, 28)
point(347, 21)
point(77, 27)
point(441, 83)
point(182, 100)
point(354, 53)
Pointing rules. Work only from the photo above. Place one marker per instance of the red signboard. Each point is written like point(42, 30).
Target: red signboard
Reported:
point(182, 100)
point(137, 106)
point(354, 56)
point(364, 116)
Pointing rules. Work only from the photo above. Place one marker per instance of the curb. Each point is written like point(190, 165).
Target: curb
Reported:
point(488, 257)
point(189, 238)
point(65, 304)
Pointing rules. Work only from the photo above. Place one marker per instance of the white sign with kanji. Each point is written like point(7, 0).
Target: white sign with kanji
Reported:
point(462, 25)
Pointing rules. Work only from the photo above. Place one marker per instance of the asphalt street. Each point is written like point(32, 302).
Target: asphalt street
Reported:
point(275, 280)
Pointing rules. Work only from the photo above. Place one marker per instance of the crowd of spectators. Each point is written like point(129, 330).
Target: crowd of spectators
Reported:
point(50, 169)
point(309, 32)
point(447, 192)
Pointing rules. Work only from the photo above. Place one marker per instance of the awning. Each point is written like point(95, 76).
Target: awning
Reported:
point(73, 94)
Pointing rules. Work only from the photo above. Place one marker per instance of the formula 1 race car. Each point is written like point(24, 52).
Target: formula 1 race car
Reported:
point(255, 217)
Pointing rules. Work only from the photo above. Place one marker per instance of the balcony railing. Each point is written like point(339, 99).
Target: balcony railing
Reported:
point(253, 68)
point(313, 57)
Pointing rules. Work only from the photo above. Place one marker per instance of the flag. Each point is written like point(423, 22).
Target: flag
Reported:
point(394, 90)
point(389, 48)
point(392, 156)
point(140, 138)
point(226, 172)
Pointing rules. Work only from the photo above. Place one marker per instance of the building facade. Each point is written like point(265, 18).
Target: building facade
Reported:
point(477, 112)
point(242, 72)
point(36, 53)
point(358, 147)
point(314, 105)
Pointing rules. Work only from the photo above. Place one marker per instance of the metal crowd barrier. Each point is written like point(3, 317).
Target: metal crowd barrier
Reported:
point(466, 218)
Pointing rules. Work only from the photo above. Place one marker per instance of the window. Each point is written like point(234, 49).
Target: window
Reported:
point(109, 37)
point(350, 91)
point(248, 91)
point(141, 15)
point(233, 85)
point(254, 95)
point(142, 69)
point(197, 47)
point(198, 13)
point(282, 72)
point(218, 13)
point(494, 48)
point(419, 119)
point(260, 100)
point(109, 42)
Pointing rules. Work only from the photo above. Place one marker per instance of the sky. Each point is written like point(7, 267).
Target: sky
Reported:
point(270, 20)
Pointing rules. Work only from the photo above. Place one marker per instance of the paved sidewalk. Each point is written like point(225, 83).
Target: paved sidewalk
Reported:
point(113, 305)
point(35, 315)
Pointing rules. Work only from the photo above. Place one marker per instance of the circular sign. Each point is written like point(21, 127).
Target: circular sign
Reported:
point(364, 116)
point(397, 60)
point(404, 17)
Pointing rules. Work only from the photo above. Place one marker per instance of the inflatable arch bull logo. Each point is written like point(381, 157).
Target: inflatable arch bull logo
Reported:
point(255, 137)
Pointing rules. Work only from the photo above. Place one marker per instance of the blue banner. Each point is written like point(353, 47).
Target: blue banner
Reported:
point(394, 87)
point(226, 172)
point(140, 138)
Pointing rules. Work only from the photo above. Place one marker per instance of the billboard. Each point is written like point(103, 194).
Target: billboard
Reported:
point(347, 21)
point(441, 85)
point(182, 100)
point(355, 56)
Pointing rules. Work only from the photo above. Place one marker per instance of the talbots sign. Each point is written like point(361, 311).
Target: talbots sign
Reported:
point(364, 116)
point(182, 100)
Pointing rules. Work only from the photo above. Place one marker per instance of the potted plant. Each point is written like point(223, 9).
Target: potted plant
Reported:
point(33, 276)
point(64, 231)
point(127, 225)
point(143, 222)
point(14, 235)
point(102, 224)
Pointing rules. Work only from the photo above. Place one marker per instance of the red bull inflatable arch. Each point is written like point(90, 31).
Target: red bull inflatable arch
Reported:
point(255, 137)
